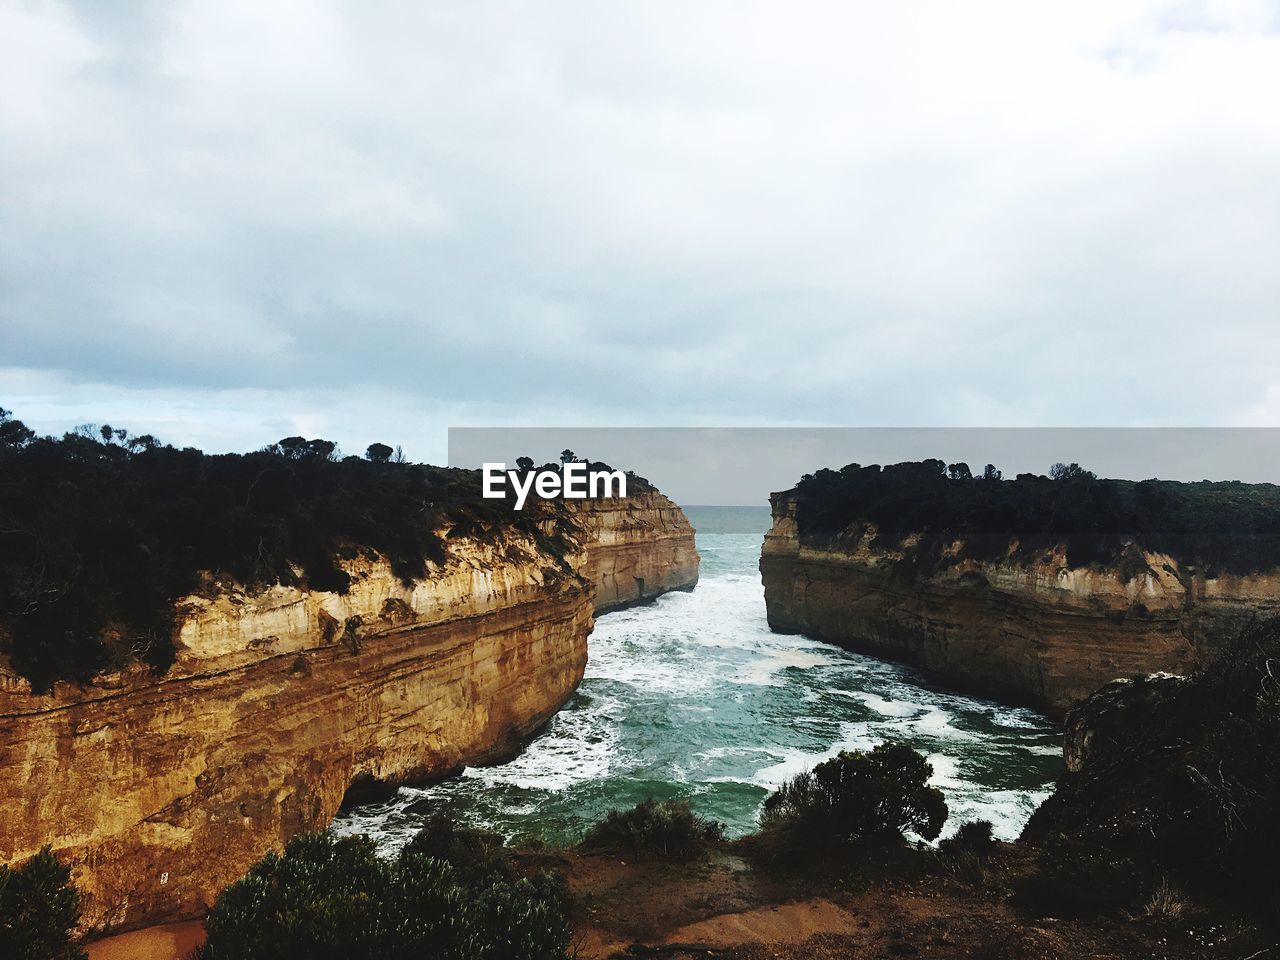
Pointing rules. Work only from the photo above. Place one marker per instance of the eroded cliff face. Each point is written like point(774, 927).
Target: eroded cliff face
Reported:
point(641, 546)
point(1039, 633)
point(162, 790)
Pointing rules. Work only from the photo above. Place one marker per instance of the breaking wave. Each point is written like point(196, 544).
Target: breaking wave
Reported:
point(694, 696)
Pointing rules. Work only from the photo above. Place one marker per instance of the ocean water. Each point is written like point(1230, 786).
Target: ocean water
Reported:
point(694, 696)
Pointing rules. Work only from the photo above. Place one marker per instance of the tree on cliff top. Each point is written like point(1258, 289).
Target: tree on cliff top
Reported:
point(1215, 525)
point(13, 433)
point(1070, 471)
point(100, 534)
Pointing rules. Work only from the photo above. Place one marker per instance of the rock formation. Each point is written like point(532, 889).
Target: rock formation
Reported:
point(641, 547)
point(1177, 776)
point(161, 790)
point(1034, 631)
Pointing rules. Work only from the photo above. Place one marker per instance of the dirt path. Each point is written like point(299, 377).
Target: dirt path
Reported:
point(173, 941)
point(782, 923)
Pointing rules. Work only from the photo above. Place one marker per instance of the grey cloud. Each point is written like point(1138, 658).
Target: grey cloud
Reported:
point(649, 213)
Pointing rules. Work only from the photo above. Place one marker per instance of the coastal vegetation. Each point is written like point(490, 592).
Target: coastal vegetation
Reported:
point(873, 795)
point(477, 855)
point(1228, 526)
point(1173, 780)
point(335, 899)
point(101, 531)
point(1135, 852)
point(667, 828)
point(39, 910)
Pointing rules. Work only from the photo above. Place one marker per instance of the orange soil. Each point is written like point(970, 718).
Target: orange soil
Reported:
point(723, 908)
point(172, 941)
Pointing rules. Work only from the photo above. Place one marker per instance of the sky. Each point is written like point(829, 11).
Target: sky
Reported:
point(224, 223)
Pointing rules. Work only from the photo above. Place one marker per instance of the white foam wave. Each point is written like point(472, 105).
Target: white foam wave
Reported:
point(697, 692)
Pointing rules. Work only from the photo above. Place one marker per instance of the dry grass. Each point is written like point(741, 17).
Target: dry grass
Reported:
point(1166, 904)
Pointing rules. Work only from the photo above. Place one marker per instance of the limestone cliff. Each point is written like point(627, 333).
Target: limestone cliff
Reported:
point(161, 790)
point(1034, 631)
point(641, 546)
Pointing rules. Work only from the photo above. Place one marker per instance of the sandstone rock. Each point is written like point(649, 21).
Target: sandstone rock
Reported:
point(1038, 632)
point(161, 790)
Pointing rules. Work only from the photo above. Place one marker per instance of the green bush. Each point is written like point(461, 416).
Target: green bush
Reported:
point(335, 899)
point(860, 795)
point(39, 909)
point(975, 838)
point(476, 855)
point(1080, 877)
point(969, 854)
point(668, 828)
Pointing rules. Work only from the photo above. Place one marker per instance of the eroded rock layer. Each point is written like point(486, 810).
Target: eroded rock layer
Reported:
point(1037, 632)
point(161, 790)
point(641, 546)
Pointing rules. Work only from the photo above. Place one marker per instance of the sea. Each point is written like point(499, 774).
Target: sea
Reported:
point(694, 696)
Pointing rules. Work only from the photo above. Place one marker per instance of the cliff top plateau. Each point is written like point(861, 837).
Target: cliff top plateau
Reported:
point(1218, 526)
point(101, 532)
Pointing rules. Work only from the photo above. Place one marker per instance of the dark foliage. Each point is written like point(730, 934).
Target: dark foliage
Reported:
point(974, 838)
point(39, 909)
point(667, 829)
point(100, 533)
point(1229, 525)
point(476, 855)
point(971, 855)
point(1180, 776)
point(1078, 877)
point(327, 899)
point(860, 796)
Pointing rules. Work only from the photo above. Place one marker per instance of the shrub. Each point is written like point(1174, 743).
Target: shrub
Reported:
point(973, 838)
point(968, 855)
point(1179, 774)
point(1165, 905)
point(39, 909)
point(860, 795)
point(476, 855)
point(668, 828)
point(1079, 877)
point(335, 899)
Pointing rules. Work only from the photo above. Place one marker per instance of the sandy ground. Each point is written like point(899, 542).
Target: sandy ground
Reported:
point(173, 941)
point(722, 908)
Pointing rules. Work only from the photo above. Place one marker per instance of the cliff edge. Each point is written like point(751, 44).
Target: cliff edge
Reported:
point(160, 789)
point(1042, 618)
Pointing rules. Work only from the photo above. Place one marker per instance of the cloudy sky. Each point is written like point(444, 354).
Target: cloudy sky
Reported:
point(228, 222)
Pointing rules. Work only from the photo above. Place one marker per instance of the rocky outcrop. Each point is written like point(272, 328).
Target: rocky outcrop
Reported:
point(1176, 777)
point(641, 546)
point(1038, 632)
point(161, 790)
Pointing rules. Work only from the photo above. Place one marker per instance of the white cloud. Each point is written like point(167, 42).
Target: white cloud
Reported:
point(662, 212)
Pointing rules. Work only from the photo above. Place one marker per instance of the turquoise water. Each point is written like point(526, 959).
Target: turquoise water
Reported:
point(694, 696)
